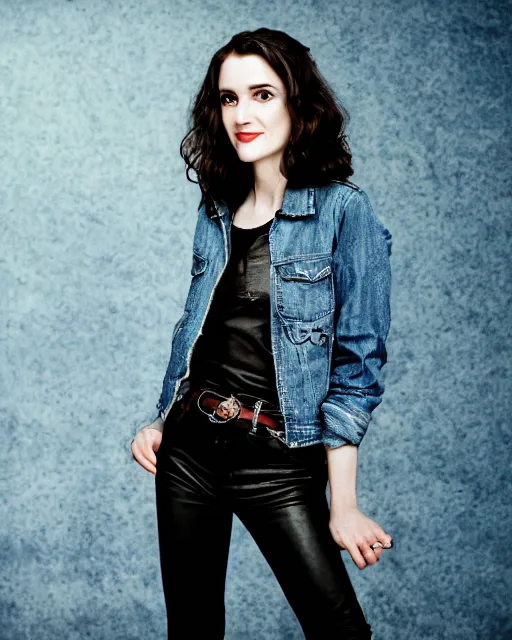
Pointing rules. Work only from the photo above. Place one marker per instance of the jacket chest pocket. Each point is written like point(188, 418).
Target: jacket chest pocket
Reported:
point(304, 288)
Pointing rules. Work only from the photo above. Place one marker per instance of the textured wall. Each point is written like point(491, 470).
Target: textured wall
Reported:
point(96, 231)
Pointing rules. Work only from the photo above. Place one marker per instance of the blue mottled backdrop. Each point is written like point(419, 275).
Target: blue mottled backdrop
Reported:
point(97, 219)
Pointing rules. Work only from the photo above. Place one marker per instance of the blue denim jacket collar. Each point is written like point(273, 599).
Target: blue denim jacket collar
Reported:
point(297, 203)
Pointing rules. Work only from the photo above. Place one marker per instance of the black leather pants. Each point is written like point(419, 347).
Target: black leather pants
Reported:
point(207, 472)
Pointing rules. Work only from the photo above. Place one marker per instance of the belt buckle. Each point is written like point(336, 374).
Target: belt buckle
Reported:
point(228, 409)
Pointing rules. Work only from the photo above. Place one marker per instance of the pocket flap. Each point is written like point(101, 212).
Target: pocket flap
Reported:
point(198, 263)
point(305, 270)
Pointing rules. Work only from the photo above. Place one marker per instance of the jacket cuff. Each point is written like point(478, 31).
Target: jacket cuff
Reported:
point(346, 421)
point(157, 424)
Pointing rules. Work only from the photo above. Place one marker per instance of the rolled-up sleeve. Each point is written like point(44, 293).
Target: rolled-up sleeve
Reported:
point(362, 283)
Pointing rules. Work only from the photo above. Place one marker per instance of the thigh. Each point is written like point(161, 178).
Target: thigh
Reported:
point(296, 541)
point(194, 530)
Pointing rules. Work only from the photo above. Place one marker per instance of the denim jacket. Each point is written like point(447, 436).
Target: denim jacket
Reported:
point(330, 285)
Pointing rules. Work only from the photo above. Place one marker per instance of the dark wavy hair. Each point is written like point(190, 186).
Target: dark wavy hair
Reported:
point(317, 153)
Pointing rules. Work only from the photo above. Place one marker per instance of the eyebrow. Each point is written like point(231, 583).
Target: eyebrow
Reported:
point(252, 86)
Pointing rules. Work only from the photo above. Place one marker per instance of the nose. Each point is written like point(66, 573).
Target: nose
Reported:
point(242, 112)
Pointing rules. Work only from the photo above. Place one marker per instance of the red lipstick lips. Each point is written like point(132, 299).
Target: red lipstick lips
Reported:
point(247, 137)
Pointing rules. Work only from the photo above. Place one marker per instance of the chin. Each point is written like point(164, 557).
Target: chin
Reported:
point(247, 157)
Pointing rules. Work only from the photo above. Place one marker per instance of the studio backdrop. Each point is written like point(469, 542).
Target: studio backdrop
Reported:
point(97, 218)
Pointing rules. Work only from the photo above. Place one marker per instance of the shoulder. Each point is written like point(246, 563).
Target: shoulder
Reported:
point(354, 214)
point(345, 185)
point(338, 193)
point(345, 198)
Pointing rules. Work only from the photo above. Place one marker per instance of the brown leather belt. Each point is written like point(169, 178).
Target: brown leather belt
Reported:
point(226, 409)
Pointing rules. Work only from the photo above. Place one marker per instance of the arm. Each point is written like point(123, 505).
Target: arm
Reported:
point(349, 527)
point(342, 466)
point(362, 280)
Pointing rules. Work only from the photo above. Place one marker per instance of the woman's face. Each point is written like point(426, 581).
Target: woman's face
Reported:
point(253, 100)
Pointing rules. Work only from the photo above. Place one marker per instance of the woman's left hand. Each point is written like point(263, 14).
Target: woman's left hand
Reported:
point(355, 532)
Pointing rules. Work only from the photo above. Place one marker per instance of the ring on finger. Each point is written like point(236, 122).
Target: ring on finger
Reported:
point(376, 545)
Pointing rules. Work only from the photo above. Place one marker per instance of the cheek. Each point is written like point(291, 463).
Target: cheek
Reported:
point(226, 121)
point(281, 126)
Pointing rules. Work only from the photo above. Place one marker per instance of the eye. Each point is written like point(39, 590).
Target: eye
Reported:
point(223, 98)
point(264, 91)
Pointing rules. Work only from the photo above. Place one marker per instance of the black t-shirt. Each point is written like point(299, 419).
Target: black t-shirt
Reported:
point(234, 352)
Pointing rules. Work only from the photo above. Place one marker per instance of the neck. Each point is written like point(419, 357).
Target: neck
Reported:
point(269, 187)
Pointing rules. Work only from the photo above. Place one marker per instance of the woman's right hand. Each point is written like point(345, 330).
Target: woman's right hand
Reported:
point(146, 443)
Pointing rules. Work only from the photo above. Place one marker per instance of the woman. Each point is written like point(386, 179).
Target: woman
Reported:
point(274, 365)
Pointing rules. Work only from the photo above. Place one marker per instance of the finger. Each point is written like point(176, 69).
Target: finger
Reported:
point(386, 540)
point(356, 556)
point(149, 454)
point(369, 554)
point(382, 538)
point(377, 550)
point(147, 464)
point(390, 543)
point(141, 457)
point(148, 442)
